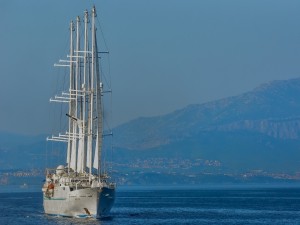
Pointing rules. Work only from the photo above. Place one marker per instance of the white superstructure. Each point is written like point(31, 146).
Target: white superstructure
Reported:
point(81, 187)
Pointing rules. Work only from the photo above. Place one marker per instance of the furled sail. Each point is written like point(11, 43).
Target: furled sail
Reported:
point(89, 152)
point(96, 153)
point(80, 150)
point(68, 152)
point(85, 100)
point(99, 87)
point(73, 150)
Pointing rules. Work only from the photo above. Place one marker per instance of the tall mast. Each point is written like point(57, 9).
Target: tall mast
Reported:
point(75, 92)
point(84, 86)
point(98, 98)
point(85, 113)
point(91, 106)
point(72, 109)
point(70, 102)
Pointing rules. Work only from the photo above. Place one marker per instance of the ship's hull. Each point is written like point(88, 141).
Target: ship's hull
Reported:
point(88, 202)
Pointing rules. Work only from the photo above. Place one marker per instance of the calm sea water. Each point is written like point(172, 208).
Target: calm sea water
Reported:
point(185, 206)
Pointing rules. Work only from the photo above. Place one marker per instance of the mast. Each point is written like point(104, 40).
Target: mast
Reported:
point(69, 152)
point(84, 86)
point(90, 137)
point(98, 102)
point(85, 114)
point(75, 93)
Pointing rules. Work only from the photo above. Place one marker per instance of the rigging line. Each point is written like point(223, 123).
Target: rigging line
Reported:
point(107, 49)
point(111, 114)
point(81, 35)
point(51, 158)
point(103, 76)
point(46, 158)
point(112, 136)
point(102, 34)
point(111, 94)
point(109, 73)
point(104, 152)
point(112, 152)
point(108, 119)
point(67, 39)
point(107, 123)
point(61, 105)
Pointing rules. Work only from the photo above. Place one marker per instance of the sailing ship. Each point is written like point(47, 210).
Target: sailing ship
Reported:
point(81, 188)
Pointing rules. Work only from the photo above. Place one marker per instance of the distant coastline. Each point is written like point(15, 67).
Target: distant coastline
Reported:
point(122, 188)
point(29, 181)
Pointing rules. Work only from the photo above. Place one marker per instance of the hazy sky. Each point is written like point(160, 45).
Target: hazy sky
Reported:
point(164, 54)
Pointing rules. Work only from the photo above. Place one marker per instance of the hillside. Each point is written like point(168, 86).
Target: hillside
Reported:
point(259, 129)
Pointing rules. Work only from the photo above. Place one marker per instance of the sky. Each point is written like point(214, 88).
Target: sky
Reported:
point(164, 54)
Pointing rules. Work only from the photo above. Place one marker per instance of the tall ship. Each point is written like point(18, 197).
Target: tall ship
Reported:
point(81, 187)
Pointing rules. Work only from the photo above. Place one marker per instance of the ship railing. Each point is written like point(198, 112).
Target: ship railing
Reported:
point(112, 185)
point(50, 171)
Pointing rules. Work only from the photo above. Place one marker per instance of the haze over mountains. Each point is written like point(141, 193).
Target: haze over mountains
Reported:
point(257, 130)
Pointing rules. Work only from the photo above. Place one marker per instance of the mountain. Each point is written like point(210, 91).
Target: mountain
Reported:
point(255, 131)
point(259, 129)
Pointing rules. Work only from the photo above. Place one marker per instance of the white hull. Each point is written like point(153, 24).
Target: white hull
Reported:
point(87, 202)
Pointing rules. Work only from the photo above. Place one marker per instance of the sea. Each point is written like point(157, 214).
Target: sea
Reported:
point(168, 206)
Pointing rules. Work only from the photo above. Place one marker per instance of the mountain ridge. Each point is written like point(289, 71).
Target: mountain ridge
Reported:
point(257, 130)
point(256, 109)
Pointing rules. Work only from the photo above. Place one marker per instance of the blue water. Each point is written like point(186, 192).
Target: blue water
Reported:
point(185, 206)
